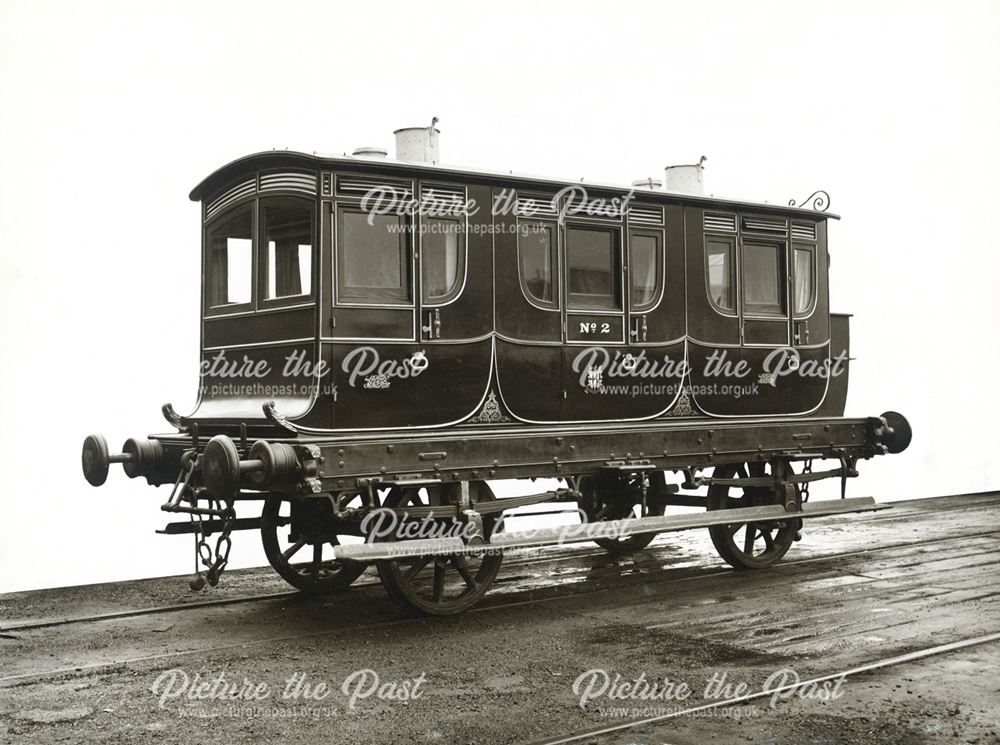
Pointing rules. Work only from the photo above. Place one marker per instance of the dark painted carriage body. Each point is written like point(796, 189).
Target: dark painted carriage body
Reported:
point(491, 351)
point(383, 336)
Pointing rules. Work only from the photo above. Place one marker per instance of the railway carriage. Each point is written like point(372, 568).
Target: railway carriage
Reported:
point(382, 338)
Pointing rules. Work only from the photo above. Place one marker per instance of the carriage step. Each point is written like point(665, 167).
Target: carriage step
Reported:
point(367, 552)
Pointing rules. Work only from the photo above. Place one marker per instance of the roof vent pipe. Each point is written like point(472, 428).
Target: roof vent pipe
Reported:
point(685, 179)
point(647, 183)
point(419, 144)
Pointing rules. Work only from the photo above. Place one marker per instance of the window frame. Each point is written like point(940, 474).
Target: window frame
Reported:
point(732, 240)
point(759, 310)
point(461, 272)
point(552, 226)
point(617, 268)
point(811, 248)
point(408, 262)
point(263, 262)
point(661, 260)
point(209, 309)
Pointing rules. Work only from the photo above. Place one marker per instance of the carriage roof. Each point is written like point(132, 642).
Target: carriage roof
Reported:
point(232, 171)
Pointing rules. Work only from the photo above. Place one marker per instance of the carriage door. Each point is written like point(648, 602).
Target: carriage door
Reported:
point(454, 299)
point(371, 328)
point(441, 242)
point(595, 328)
point(764, 278)
point(765, 319)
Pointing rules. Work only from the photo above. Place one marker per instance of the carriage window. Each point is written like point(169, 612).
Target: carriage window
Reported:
point(719, 255)
point(288, 229)
point(762, 278)
point(440, 258)
point(593, 268)
point(373, 258)
point(805, 284)
point(536, 244)
point(231, 259)
point(644, 269)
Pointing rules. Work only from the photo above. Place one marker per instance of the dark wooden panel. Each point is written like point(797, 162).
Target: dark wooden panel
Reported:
point(235, 383)
point(835, 402)
point(600, 386)
point(293, 323)
point(758, 391)
point(774, 332)
point(389, 385)
point(372, 323)
point(530, 380)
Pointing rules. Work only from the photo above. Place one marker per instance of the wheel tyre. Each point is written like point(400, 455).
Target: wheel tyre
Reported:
point(399, 579)
point(337, 580)
point(779, 536)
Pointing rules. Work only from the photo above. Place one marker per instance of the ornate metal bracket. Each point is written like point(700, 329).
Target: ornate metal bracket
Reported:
point(819, 200)
point(173, 417)
point(272, 415)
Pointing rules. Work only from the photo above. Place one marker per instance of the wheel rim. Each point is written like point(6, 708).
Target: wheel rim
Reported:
point(304, 564)
point(600, 503)
point(438, 585)
point(748, 545)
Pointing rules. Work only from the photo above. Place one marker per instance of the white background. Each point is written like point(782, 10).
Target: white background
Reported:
point(111, 112)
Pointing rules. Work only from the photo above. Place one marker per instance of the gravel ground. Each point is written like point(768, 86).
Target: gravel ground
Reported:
point(920, 575)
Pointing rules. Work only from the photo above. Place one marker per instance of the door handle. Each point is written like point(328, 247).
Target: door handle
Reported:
point(433, 327)
point(638, 329)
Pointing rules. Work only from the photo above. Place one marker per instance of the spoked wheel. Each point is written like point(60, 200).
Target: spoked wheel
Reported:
point(439, 585)
point(619, 499)
point(305, 561)
point(748, 545)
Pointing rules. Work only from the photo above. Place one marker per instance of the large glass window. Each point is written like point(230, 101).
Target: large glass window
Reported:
point(287, 229)
point(763, 274)
point(593, 268)
point(536, 243)
point(805, 282)
point(230, 259)
point(441, 257)
point(373, 258)
point(719, 257)
point(644, 269)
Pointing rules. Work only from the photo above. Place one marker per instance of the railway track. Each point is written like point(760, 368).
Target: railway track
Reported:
point(558, 556)
point(196, 604)
point(969, 502)
point(590, 734)
point(842, 560)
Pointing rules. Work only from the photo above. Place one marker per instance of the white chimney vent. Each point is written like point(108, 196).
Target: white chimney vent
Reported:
point(370, 152)
point(685, 179)
point(419, 144)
